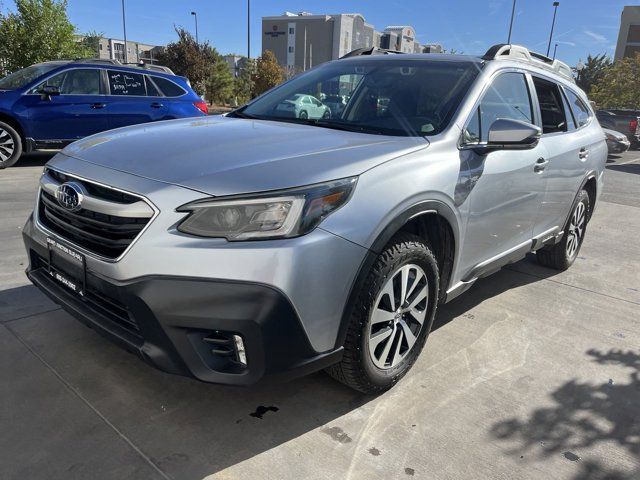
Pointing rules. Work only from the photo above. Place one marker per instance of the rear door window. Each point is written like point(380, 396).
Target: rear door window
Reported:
point(553, 114)
point(169, 88)
point(126, 83)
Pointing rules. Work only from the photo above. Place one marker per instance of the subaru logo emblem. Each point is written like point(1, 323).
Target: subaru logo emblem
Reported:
point(69, 196)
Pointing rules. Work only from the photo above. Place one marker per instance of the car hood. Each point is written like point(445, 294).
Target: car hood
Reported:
point(225, 156)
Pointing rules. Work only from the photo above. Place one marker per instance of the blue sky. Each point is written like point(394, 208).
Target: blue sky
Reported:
point(583, 26)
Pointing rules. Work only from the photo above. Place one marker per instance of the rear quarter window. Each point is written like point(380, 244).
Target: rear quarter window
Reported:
point(581, 112)
point(169, 88)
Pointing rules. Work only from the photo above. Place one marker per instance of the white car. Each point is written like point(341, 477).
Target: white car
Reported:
point(304, 106)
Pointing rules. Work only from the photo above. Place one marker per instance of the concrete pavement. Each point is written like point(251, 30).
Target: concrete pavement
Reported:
point(530, 374)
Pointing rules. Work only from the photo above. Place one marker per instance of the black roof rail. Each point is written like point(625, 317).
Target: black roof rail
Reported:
point(370, 51)
point(108, 61)
point(111, 61)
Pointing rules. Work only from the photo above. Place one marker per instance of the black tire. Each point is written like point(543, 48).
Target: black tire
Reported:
point(8, 134)
point(326, 114)
point(356, 369)
point(558, 256)
point(303, 114)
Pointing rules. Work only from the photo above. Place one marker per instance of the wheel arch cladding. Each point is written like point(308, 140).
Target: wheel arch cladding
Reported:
point(591, 187)
point(433, 221)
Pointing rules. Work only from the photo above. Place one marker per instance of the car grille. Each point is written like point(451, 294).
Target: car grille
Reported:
point(107, 229)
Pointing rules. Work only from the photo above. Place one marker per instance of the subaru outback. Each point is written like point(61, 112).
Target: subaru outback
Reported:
point(263, 245)
point(49, 105)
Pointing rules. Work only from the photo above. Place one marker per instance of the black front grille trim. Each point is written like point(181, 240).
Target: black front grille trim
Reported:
point(99, 302)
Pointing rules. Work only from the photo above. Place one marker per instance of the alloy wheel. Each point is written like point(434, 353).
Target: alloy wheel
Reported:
point(576, 229)
point(7, 145)
point(397, 316)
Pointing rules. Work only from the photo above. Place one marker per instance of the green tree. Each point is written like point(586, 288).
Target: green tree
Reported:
point(220, 84)
point(593, 71)
point(38, 31)
point(91, 41)
point(268, 73)
point(201, 64)
point(619, 87)
point(243, 83)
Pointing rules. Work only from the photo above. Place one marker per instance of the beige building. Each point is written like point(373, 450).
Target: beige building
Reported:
point(113, 49)
point(301, 40)
point(629, 35)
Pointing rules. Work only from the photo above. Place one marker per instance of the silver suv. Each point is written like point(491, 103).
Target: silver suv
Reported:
point(261, 244)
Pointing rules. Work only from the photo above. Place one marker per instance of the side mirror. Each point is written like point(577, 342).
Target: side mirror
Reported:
point(48, 91)
point(508, 134)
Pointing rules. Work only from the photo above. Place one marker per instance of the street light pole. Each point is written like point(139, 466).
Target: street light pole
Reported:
point(248, 29)
point(196, 17)
point(513, 11)
point(124, 28)
point(553, 23)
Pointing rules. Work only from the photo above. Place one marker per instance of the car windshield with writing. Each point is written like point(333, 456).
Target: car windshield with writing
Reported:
point(402, 98)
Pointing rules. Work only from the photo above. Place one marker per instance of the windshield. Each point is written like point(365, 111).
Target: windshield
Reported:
point(23, 77)
point(398, 97)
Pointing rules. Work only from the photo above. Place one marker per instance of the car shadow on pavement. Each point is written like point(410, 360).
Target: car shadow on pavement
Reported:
point(583, 415)
point(519, 274)
point(628, 168)
point(187, 428)
point(35, 159)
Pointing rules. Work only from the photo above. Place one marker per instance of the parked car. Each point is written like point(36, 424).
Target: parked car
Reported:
point(49, 105)
point(625, 121)
point(336, 104)
point(616, 142)
point(303, 106)
point(262, 245)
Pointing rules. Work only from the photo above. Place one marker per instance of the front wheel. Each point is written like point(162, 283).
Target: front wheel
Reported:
point(562, 255)
point(304, 115)
point(391, 318)
point(10, 146)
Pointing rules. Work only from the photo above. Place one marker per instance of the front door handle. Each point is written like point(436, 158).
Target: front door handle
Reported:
point(98, 105)
point(156, 105)
point(540, 165)
point(584, 153)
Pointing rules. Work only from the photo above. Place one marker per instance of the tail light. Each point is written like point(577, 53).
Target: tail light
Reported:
point(202, 106)
point(633, 125)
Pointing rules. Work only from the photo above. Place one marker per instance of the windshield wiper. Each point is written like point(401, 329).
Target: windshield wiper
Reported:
point(239, 114)
point(348, 127)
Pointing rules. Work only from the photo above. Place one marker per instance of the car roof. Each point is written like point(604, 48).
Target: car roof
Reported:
point(111, 66)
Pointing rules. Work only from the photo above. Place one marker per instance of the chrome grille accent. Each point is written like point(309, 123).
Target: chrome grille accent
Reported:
point(107, 223)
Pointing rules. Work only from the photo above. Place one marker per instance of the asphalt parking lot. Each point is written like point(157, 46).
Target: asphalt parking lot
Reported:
point(532, 374)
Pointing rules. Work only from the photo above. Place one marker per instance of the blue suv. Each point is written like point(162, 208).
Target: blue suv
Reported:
point(49, 105)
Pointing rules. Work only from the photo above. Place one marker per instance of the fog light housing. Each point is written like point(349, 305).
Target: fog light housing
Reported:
point(241, 354)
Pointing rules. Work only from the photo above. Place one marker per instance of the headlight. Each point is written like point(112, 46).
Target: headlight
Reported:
point(283, 214)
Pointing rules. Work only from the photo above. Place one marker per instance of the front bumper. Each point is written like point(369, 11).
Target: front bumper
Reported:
point(165, 320)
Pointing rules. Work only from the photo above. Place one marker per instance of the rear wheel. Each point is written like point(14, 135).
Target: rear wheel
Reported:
point(10, 146)
point(391, 318)
point(303, 114)
point(562, 255)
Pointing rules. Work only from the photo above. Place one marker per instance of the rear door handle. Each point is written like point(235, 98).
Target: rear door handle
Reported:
point(540, 165)
point(98, 105)
point(583, 154)
point(156, 105)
